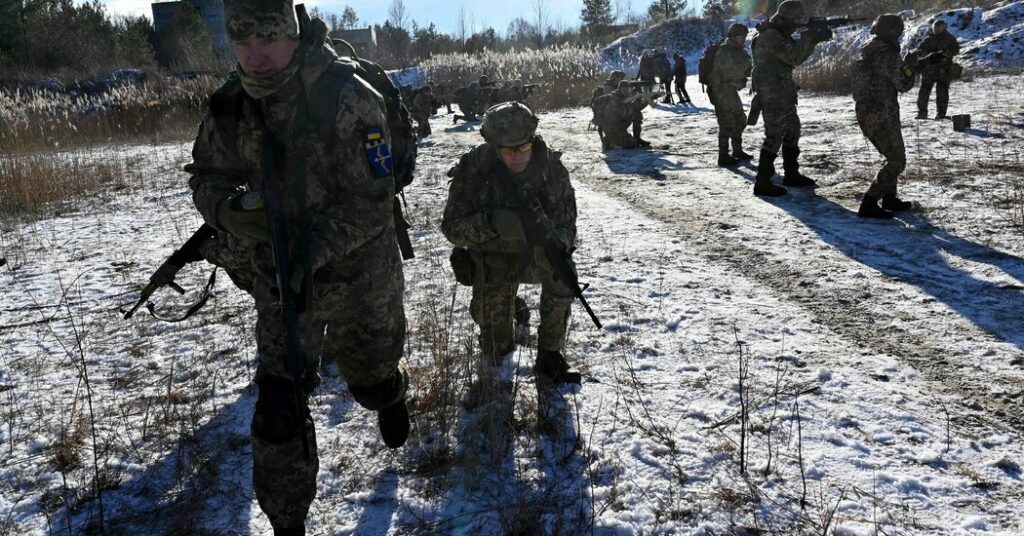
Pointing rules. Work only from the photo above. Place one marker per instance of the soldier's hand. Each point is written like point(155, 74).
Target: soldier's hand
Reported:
point(244, 216)
point(508, 225)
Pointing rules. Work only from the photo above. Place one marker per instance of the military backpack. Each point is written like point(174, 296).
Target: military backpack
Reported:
point(706, 64)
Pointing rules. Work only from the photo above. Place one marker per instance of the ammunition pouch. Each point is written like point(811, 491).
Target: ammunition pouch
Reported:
point(463, 266)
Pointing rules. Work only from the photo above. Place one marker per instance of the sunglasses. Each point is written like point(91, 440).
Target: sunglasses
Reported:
point(518, 149)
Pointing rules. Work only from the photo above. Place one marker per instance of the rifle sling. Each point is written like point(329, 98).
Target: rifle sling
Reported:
point(194, 308)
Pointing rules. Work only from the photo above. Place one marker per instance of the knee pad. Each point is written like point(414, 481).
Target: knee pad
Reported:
point(277, 420)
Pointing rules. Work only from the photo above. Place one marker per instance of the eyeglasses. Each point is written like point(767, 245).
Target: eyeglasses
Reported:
point(518, 149)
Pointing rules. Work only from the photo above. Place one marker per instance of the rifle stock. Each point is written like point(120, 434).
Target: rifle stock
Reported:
point(165, 274)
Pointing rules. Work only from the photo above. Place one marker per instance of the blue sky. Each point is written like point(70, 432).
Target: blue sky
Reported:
point(445, 14)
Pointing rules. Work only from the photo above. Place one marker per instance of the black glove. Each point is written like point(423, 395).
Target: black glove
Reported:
point(245, 218)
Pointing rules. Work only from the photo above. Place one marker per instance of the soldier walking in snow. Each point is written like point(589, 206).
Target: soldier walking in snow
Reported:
point(943, 46)
point(484, 215)
point(423, 105)
point(729, 73)
point(879, 76)
point(679, 72)
point(776, 53)
point(278, 182)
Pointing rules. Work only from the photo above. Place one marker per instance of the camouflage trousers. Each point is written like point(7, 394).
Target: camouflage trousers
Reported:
point(732, 121)
point(941, 95)
point(493, 308)
point(884, 131)
point(781, 126)
point(360, 324)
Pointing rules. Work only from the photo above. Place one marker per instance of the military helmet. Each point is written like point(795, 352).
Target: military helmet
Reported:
point(792, 10)
point(508, 123)
point(939, 23)
point(887, 26)
point(616, 76)
point(737, 29)
point(517, 83)
point(267, 19)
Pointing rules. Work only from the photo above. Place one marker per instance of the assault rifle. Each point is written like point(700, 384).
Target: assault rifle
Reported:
point(541, 232)
point(818, 24)
point(755, 110)
point(295, 355)
point(165, 274)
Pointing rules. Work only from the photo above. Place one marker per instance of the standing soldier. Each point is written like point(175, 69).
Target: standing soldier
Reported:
point(332, 217)
point(443, 95)
point(880, 76)
point(776, 53)
point(645, 71)
point(597, 103)
point(423, 105)
point(937, 73)
point(483, 216)
point(679, 71)
point(728, 76)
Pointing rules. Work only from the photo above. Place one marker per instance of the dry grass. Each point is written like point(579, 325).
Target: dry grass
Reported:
point(37, 184)
point(567, 74)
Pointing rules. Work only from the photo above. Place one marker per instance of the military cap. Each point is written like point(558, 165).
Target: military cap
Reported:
point(792, 10)
point(737, 29)
point(268, 19)
point(887, 25)
point(508, 123)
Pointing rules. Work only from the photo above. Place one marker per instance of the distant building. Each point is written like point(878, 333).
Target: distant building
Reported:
point(364, 40)
point(212, 12)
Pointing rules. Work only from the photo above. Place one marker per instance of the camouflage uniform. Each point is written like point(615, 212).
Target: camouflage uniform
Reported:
point(776, 54)
point(729, 74)
point(879, 116)
point(619, 114)
point(937, 74)
point(423, 105)
point(501, 266)
point(353, 284)
point(466, 98)
point(679, 72)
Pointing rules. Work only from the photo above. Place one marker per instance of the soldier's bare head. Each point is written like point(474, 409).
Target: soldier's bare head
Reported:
point(938, 27)
point(738, 33)
point(264, 34)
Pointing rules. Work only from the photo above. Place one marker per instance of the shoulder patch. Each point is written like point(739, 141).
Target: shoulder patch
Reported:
point(378, 152)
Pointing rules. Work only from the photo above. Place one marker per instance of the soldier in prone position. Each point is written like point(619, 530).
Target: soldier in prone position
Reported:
point(728, 76)
point(339, 233)
point(880, 75)
point(482, 216)
point(776, 54)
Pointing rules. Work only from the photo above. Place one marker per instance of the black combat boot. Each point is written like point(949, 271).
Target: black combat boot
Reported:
point(922, 114)
point(724, 160)
point(791, 169)
point(737, 149)
point(765, 171)
point(869, 209)
point(640, 142)
point(388, 399)
point(551, 365)
point(290, 531)
point(895, 204)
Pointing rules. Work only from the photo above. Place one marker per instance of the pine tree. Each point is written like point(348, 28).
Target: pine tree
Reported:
point(660, 10)
point(596, 13)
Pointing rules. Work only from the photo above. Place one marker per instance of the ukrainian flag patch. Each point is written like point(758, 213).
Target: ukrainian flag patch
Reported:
point(378, 152)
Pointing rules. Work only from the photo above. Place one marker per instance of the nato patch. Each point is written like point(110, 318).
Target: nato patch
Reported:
point(378, 152)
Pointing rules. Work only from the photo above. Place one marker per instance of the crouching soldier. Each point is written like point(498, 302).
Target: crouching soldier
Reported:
point(484, 218)
point(879, 76)
point(277, 181)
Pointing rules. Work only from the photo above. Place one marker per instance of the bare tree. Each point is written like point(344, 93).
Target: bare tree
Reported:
point(349, 19)
point(540, 12)
point(398, 16)
point(462, 25)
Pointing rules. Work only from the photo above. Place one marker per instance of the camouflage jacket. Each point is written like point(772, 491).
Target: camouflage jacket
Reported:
point(731, 68)
point(646, 69)
point(948, 46)
point(344, 192)
point(476, 190)
point(887, 74)
point(679, 71)
point(424, 104)
point(775, 57)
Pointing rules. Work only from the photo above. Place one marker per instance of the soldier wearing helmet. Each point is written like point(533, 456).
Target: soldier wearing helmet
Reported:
point(941, 46)
point(679, 74)
point(466, 98)
point(424, 104)
point(483, 216)
point(776, 54)
point(879, 76)
point(729, 73)
point(338, 232)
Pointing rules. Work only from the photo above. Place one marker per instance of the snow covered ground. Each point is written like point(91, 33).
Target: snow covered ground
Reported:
point(884, 361)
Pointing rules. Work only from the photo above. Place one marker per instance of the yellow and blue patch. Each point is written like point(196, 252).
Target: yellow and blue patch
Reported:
point(378, 152)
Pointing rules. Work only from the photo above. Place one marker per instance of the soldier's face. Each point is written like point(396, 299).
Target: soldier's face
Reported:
point(263, 58)
point(739, 39)
point(516, 158)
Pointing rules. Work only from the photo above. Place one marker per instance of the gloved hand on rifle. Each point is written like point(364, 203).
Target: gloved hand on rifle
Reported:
point(245, 216)
point(508, 226)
